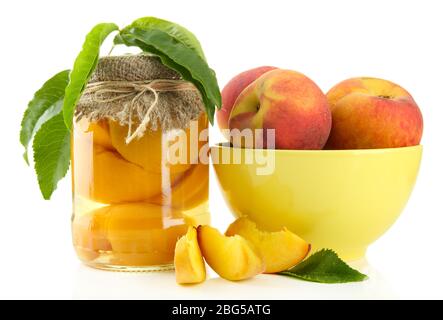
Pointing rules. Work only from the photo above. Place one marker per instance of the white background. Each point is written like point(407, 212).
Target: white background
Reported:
point(327, 40)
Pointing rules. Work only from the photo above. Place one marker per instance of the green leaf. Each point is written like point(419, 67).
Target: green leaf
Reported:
point(325, 267)
point(173, 29)
point(46, 103)
point(84, 66)
point(180, 58)
point(209, 107)
point(52, 152)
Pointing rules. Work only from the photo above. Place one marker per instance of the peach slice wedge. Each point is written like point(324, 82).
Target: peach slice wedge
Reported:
point(232, 258)
point(188, 260)
point(280, 250)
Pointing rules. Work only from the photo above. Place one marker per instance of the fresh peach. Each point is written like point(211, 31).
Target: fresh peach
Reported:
point(369, 113)
point(232, 90)
point(188, 259)
point(288, 102)
point(196, 217)
point(233, 258)
point(281, 250)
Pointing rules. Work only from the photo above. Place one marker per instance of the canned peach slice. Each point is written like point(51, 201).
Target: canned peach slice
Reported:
point(138, 232)
point(155, 150)
point(99, 131)
point(155, 249)
point(89, 233)
point(189, 191)
point(115, 180)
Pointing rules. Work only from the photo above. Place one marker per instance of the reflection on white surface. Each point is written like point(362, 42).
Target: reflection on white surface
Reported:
point(95, 284)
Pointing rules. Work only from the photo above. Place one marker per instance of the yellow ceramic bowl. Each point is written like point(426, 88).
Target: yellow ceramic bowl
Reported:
point(338, 199)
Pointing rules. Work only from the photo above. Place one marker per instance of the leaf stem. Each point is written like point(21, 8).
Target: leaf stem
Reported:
point(110, 51)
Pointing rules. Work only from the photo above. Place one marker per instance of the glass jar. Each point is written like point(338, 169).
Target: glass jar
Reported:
point(132, 201)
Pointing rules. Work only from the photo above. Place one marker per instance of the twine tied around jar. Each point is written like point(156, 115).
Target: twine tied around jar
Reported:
point(106, 92)
point(139, 92)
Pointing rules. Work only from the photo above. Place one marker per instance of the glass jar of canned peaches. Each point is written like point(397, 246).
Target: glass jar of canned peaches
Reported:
point(133, 199)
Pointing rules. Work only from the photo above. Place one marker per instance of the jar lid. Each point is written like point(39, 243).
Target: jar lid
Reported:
point(138, 67)
point(141, 92)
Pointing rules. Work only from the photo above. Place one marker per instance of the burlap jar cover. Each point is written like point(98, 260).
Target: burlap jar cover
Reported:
point(140, 92)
